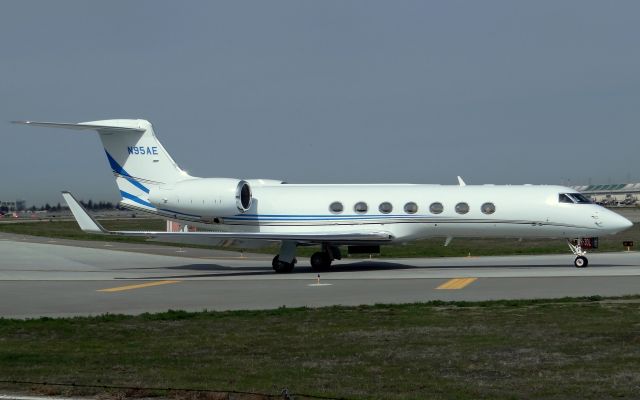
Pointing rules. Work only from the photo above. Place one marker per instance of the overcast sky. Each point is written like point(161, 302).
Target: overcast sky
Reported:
point(324, 91)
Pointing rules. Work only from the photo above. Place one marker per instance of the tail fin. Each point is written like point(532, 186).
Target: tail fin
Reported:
point(137, 158)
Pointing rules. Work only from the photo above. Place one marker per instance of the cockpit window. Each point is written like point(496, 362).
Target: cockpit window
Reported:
point(580, 198)
point(573, 198)
point(565, 199)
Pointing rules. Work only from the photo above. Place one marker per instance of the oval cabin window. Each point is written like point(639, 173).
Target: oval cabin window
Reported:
point(488, 208)
point(462, 208)
point(336, 207)
point(436, 208)
point(385, 207)
point(360, 207)
point(411, 208)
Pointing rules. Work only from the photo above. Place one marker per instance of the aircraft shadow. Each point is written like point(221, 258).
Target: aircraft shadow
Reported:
point(214, 270)
point(386, 266)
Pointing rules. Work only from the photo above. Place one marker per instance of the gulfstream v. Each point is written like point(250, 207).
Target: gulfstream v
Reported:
point(361, 217)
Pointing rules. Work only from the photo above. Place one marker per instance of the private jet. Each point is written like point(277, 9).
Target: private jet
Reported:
point(361, 217)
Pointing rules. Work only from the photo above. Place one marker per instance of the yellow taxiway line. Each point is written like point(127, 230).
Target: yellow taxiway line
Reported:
point(457, 283)
point(140, 286)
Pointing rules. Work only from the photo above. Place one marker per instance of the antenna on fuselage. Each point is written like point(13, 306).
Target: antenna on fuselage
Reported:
point(460, 181)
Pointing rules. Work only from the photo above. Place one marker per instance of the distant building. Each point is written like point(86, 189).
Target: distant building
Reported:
point(617, 194)
point(173, 226)
point(17, 205)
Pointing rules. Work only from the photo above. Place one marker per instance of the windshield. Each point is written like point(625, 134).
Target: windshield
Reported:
point(574, 198)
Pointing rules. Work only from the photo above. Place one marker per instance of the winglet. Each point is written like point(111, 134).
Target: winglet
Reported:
point(461, 182)
point(86, 222)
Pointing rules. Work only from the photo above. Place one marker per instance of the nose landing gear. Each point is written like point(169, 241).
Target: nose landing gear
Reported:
point(581, 260)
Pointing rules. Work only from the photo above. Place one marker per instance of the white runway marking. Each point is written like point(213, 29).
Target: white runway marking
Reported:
point(320, 284)
point(17, 397)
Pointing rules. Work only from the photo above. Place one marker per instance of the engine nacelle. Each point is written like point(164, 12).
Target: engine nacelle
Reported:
point(264, 182)
point(207, 197)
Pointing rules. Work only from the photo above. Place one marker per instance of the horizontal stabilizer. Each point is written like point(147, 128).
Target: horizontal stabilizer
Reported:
point(90, 225)
point(82, 126)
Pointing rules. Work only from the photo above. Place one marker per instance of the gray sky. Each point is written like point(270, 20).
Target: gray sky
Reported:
point(324, 91)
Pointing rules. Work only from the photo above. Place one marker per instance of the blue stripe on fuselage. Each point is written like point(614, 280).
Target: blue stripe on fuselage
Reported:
point(284, 217)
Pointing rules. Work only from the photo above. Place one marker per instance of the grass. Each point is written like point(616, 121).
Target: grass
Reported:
point(570, 348)
point(421, 248)
point(71, 230)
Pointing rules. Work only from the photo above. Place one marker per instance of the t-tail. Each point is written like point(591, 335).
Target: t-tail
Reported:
point(138, 160)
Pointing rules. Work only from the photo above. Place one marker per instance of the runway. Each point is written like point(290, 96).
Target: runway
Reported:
point(47, 277)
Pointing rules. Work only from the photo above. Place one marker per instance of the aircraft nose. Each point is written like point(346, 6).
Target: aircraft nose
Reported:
point(617, 222)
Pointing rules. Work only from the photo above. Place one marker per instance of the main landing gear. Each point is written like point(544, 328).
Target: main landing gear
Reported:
point(284, 262)
point(581, 260)
point(283, 267)
point(321, 260)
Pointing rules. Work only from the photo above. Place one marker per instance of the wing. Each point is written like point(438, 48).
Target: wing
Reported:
point(90, 225)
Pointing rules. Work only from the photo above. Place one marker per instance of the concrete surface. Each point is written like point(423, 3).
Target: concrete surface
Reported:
point(45, 277)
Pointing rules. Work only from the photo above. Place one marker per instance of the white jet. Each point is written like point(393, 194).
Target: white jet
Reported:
point(363, 217)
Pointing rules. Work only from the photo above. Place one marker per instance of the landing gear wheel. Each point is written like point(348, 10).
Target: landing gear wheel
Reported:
point(320, 261)
point(282, 267)
point(581, 262)
point(576, 248)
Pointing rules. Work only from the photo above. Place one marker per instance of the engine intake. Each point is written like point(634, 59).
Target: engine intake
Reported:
point(243, 196)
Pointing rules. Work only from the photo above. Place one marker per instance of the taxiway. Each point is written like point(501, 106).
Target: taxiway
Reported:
point(50, 277)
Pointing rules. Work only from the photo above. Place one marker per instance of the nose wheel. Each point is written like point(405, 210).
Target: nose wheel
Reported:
point(581, 260)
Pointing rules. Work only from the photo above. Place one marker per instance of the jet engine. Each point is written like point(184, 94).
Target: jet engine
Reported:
point(206, 197)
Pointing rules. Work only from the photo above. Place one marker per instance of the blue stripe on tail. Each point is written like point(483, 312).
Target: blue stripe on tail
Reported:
point(117, 168)
point(135, 198)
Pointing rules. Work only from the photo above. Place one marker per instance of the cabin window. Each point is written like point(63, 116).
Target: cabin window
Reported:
point(411, 208)
point(488, 208)
point(462, 208)
point(385, 207)
point(436, 208)
point(336, 207)
point(361, 207)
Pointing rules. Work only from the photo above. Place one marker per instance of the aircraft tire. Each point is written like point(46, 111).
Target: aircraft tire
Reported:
point(581, 262)
point(282, 267)
point(320, 261)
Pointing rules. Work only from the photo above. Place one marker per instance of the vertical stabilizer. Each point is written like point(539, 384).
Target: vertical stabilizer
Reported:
point(136, 157)
point(138, 160)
